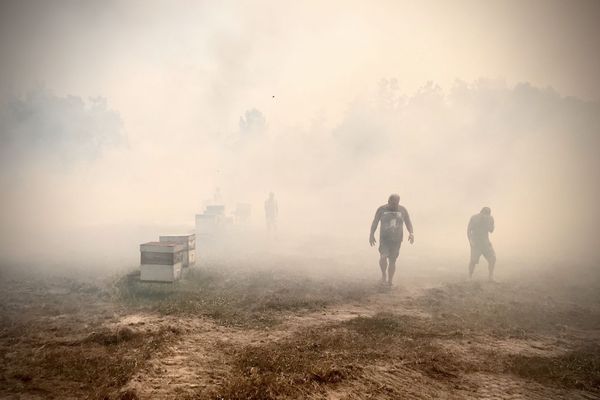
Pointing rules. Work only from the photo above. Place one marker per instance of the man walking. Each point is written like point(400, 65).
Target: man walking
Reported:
point(480, 226)
point(271, 212)
point(392, 217)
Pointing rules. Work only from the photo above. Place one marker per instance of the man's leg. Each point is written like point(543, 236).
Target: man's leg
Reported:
point(471, 268)
point(391, 270)
point(383, 265)
point(491, 266)
point(490, 256)
point(491, 259)
point(475, 255)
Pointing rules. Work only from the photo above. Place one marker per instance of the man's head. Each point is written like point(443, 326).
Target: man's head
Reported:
point(486, 211)
point(394, 200)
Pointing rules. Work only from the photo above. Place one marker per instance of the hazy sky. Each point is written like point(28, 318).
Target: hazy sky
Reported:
point(136, 109)
point(312, 55)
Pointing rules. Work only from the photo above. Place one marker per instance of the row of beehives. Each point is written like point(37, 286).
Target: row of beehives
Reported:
point(165, 260)
point(213, 220)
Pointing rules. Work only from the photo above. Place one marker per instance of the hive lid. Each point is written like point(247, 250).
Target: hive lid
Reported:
point(162, 247)
point(177, 235)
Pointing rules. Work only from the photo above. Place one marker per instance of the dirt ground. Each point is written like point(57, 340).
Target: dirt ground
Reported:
point(267, 333)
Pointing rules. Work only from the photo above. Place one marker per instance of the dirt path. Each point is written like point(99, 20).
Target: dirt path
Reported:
point(199, 360)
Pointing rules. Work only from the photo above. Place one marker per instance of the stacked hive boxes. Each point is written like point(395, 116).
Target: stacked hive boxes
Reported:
point(210, 222)
point(215, 210)
point(189, 243)
point(206, 225)
point(161, 261)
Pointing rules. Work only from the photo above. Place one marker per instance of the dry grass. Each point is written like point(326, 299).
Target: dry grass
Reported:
point(62, 338)
point(512, 309)
point(579, 369)
point(96, 366)
point(319, 359)
point(53, 342)
point(316, 358)
point(238, 298)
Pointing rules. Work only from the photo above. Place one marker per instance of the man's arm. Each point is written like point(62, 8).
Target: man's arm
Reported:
point(491, 224)
point(409, 226)
point(374, 224)
point(469, 228)
point(408, 222)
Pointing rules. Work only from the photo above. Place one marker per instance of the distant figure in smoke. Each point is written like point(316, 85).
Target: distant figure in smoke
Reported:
point(480, 226)
point(271, 212)
point(217, 197)
point(392, 216)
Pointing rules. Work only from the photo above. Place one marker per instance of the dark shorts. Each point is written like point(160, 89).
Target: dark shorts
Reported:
point(482, 249)
point(389, 247)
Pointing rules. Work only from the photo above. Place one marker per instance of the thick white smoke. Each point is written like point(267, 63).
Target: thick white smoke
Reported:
point(526, 152)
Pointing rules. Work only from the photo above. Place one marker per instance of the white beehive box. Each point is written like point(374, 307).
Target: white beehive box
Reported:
point(161, 261)
point(215, 210)
point(188, 240)
point(207, 224)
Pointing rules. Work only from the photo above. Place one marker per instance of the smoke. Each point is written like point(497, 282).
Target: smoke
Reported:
point(286, 98)
point(526, 152)
point(47, 142)
point(44, 130)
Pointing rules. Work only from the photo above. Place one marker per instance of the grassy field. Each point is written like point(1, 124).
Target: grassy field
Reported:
point(246, 298)
point(270, 333)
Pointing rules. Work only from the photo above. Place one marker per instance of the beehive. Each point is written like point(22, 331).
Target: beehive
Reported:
point(188, 240)
point(207, 224)
point(161, 261)
point(215, 210)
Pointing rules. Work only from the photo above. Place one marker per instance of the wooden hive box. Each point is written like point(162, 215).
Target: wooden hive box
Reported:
point(207, 225)
point(188, 240)
point(215, 210)
point(161, 261)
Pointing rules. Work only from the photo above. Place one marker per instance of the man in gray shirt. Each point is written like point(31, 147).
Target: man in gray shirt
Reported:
point(392, 217)
point(480, 226)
